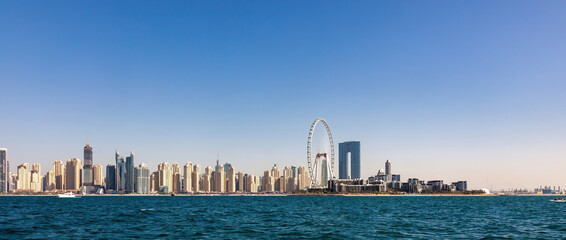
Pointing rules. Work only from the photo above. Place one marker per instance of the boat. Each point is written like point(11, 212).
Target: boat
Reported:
point(560, 199)
point(67, 195)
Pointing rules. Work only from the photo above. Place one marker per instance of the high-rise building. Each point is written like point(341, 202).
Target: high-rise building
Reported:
point(196, 178)
point(231, 180)
point(388, 171)
point(154, 182)
point(176, 173)
point(36, 180)
point(120, 172)
point(97, 175)
point(303, 179)
point(349, 160)
point(268, 183)
point(4, 171)
point(24, 177)
point(165, 178)
point(59, 171)
point(110, 177)
point(73, 174)
point(220, 179)
point(240, 186)
point(206, 184)
point(142, 179)
point(130, 173)
point(87, 171)
point(188, 177)
point(50, 181)
point(288, 179)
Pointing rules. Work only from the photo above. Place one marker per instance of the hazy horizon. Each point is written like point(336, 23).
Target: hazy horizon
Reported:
point(453, 90)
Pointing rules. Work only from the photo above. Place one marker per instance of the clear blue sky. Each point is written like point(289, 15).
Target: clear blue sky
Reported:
point(452, 90)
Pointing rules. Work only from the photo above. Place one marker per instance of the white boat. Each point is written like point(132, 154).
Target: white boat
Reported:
point(67, 195)
point(558, 200)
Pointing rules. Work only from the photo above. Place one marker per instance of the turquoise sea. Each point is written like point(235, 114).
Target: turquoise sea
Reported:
point(282, 217)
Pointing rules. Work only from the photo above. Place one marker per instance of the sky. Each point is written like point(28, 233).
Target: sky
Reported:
point(446, 90)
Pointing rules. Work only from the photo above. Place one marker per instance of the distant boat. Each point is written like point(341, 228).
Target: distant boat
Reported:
point(560, 199)
point(67, 195)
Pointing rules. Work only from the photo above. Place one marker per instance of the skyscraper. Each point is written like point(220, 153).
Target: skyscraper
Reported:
point(110, 177)
point(165, 178)
point(50, 178)
point(24, 177)
point(36, 180)
point(241, 181)
point(388, 171)
point(349, 159)
point(196, 178)
point(4, 171)
point(188, 177)
point(231, 180)
point(59, 171)
point(120, 173)
point(142, 179)
point(220, 179)
point(73, 174)
point(97, 175)
point(87, 170)
point(130, 174)
point(176, 173)
point(206, 180)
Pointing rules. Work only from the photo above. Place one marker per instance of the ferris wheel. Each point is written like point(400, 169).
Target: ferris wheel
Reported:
point(315, 165)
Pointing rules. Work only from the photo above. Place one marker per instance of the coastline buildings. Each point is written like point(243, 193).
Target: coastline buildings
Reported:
point(130, 174)
point(24, 177)
point(110, 177)
point(4, 171)
point(59, 172)
point(87, 169)
point(141, 185)
point(120, 173)
point(188, 177)
point(73, 174)
point(165, 178)
point(97, 175)
point(196, 178)
point(349, 160)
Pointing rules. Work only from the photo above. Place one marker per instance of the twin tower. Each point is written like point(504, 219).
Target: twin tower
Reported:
point(349, 160)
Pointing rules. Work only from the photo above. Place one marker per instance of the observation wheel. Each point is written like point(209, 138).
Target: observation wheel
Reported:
point(311, 164)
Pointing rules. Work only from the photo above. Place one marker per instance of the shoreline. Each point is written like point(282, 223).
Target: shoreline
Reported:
point(282, 195)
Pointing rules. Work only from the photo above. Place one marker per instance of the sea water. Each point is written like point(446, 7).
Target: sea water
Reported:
point(283, 217)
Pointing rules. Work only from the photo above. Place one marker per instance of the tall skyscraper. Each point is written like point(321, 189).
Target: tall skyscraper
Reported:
point(130, 174)
point(120, 173)
point(196, 178)
point(231, 180)
point(50, 178)
point(142, 179)
point(110, 177)
point(388, 171)
point(73, 174)
point(188, 177)
point(220, 179)
point(59, 171)
point(4, 171)
point(349, 159)
point(165, 178)
point(241, 180)
point(97, 175)
point(36, 180)
point(176, 173)
point(206, 184)
point(24, 177)
point(87, 170)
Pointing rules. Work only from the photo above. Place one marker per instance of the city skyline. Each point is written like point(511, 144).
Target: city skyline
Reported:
point(469, 91)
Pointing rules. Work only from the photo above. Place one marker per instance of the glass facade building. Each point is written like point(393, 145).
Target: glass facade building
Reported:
point(110, 177)
point(88, 179)
point(349, 160)
point(120, 173)
point(130, 175)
